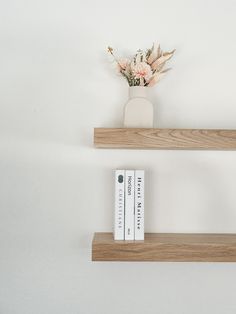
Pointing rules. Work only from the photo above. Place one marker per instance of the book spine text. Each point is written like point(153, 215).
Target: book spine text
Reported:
point(129, 205)
point(139, 205)
point(119, 223)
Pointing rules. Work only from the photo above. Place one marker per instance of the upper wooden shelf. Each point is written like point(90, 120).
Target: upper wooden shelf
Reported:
point(169, 247)
point(144, 138)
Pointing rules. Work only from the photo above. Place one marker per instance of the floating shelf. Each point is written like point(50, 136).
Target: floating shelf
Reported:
point(205, 139)
point(168, 247)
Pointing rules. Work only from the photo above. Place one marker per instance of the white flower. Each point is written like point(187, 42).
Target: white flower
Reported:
point(141, 70)
point(123, 64)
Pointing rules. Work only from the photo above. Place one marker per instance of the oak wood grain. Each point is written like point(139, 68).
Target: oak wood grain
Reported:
point(171, 247)
point(205, 139)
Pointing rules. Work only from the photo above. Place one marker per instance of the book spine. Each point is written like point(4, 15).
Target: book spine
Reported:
point(119, 219)
point(139, 205)
point(129, 205)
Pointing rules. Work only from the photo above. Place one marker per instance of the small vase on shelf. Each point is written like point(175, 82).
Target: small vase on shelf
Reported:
point(138, 111)
point(141, 71)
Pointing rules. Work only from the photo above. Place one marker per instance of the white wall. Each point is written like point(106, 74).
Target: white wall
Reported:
point(56, 85)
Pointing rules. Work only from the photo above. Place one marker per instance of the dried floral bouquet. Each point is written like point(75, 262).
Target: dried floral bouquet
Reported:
point(145, 68)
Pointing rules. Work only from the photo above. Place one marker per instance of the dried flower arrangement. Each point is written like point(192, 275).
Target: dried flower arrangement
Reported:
point(144, 68)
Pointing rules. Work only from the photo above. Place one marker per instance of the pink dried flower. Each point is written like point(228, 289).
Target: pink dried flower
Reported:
point(123, 64)
point(145, 68)
point(142, 70)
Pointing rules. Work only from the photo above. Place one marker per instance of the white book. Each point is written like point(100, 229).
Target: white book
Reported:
point(119, 217)
point(139, 205)
point(129, 205)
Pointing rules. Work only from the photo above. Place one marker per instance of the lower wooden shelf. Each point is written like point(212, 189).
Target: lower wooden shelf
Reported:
point(166, 247)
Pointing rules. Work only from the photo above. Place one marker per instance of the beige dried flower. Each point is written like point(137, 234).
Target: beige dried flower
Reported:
point(162, 59)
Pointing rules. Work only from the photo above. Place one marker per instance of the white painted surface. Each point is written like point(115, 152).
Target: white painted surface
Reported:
point(56, 84)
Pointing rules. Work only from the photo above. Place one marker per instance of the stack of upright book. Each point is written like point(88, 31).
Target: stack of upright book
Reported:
point(129, 205)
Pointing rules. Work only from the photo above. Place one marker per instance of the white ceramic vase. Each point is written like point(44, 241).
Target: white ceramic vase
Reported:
point(138, 111)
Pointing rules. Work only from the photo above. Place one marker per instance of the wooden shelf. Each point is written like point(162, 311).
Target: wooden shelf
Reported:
point(205, 139)
point(170, 247)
